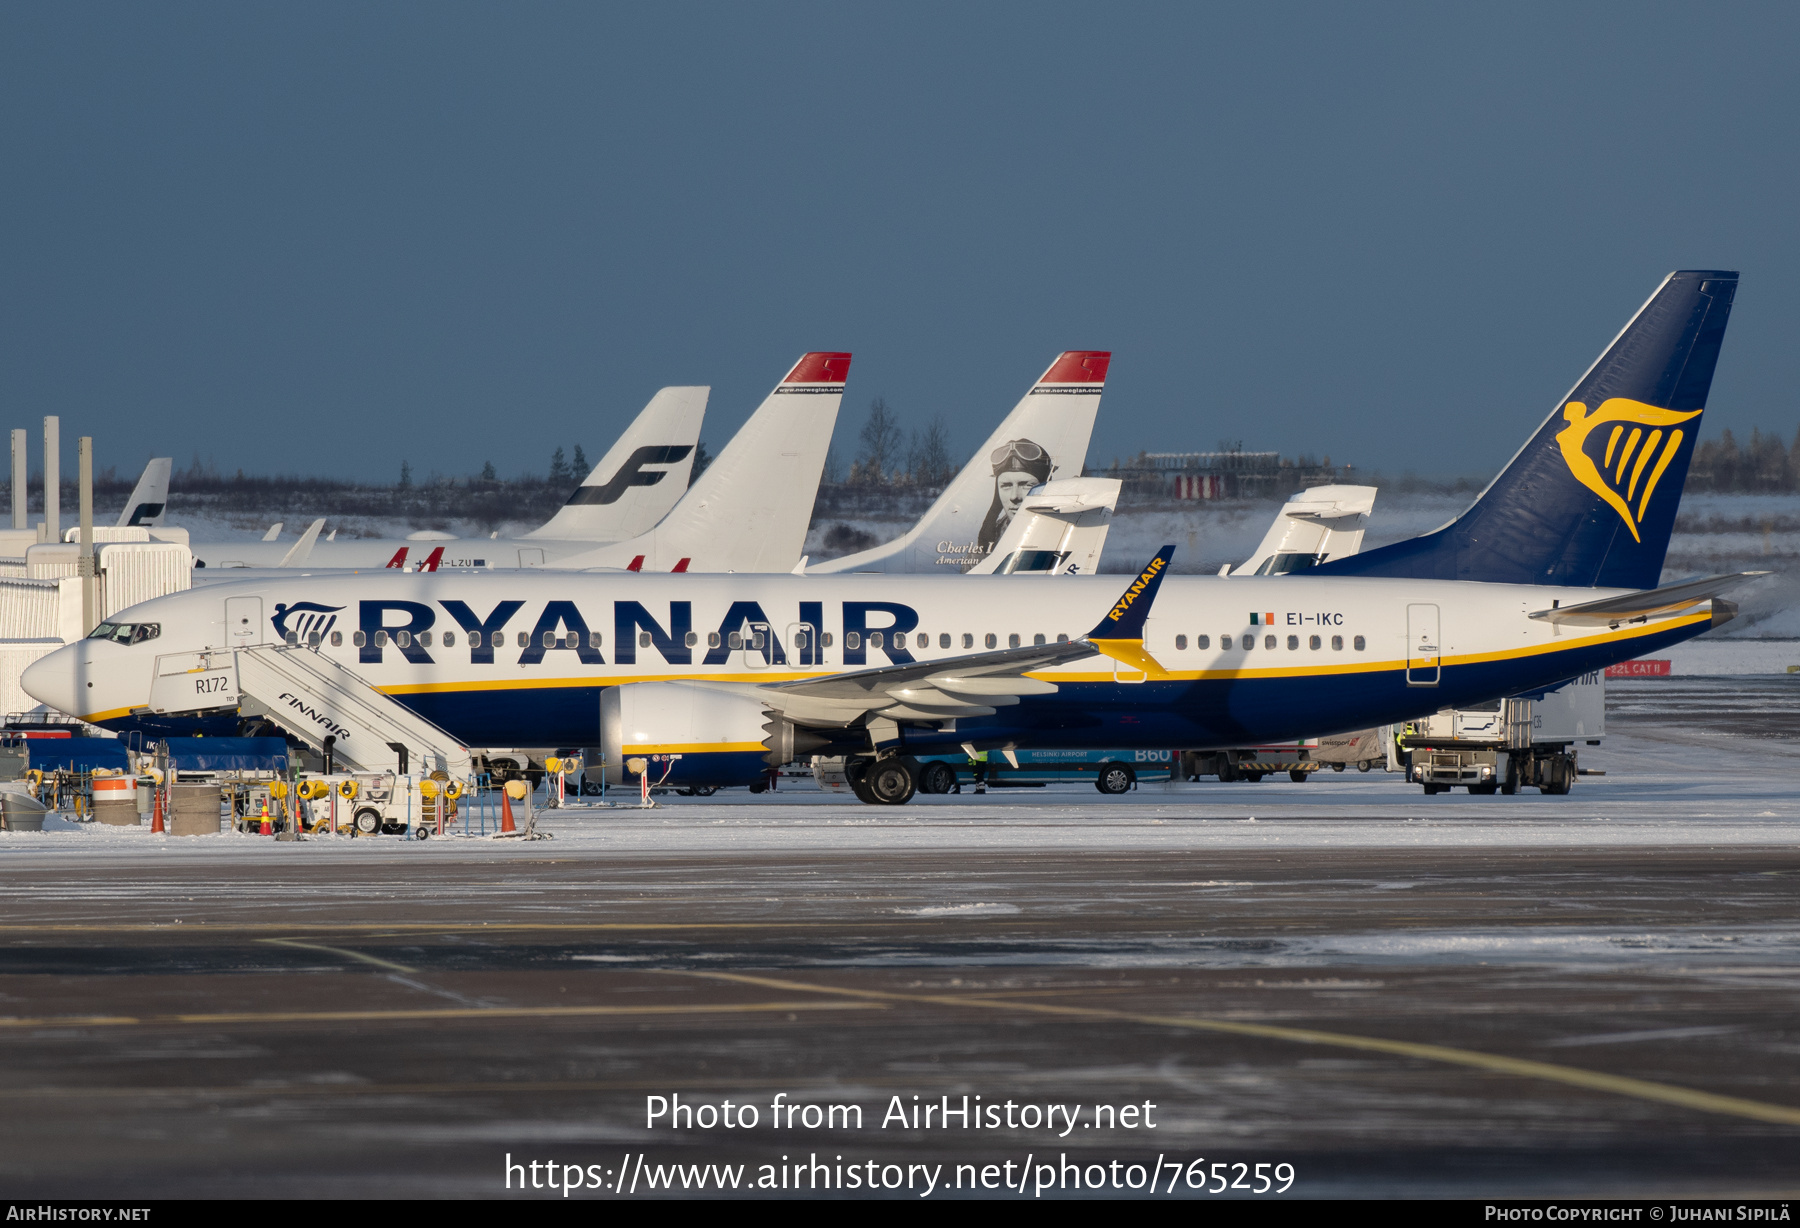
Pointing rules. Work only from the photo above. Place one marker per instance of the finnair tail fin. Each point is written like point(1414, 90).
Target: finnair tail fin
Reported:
point(1591, 499)
point(1060, 530)
point(1045, 436)
point(150, 497)
point(1314, 527)
point(641, 477)
point(749, 511)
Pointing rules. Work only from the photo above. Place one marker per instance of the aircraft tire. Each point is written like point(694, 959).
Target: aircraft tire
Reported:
point(891, 782)
point(856, 773)
point(937, 778)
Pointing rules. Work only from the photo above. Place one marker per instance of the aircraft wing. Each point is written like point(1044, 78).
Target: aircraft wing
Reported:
point(972, 685)
point(975, 684)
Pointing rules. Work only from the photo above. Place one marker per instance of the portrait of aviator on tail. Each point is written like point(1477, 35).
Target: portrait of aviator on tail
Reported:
point(1019, 465)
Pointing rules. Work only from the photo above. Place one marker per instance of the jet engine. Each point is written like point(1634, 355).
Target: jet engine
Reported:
point(685, 735)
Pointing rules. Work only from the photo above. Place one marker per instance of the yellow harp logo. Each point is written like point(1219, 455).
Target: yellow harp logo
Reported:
point(1643, 438)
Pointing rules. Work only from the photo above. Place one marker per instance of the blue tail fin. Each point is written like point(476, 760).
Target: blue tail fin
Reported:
point(1591, 500)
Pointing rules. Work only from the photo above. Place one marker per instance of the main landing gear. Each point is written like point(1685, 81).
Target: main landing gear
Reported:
point(890, 781)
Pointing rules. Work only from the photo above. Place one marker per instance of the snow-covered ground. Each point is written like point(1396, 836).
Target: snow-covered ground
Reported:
point(1659, 790)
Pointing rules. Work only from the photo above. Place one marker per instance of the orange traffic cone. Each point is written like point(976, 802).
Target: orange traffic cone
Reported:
point(266, 829)
point(506, 819)
point(156, 819)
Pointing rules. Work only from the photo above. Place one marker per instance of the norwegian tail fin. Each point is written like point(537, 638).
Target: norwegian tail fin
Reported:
point(1591, 499)
point(1044, 437)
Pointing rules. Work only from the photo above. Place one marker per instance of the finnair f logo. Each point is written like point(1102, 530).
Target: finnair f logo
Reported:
point(632, 473)
point(1631, 459)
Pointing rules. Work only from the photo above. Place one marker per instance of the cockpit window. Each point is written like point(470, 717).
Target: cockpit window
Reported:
point(126, 633)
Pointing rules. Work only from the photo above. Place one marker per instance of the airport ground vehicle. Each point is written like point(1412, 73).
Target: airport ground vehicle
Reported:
point(1110, 771)
point(1362, 750)
point(1525, 741)
point(1299, 759)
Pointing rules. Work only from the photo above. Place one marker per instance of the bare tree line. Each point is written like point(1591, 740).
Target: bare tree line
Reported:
point(890, 456)
point(1763, 466)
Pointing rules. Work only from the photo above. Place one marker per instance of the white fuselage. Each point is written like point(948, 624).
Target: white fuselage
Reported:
point(1265, 658)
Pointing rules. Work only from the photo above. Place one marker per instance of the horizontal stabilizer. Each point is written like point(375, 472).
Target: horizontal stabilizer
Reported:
point(1059, 530)
point(1651, 603)
point(1316, 526)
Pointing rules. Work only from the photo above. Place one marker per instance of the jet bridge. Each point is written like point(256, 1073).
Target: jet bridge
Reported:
point(315, 699)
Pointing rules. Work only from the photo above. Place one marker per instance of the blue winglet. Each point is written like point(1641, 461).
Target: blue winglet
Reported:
point(1125, 621)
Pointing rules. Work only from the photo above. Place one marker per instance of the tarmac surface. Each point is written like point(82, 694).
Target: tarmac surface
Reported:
point(1592, 995)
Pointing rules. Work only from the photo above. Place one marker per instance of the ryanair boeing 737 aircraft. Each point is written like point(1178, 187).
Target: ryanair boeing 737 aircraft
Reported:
point(1552, 573)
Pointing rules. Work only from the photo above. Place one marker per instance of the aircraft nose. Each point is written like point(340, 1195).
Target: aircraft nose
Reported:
point(56, 680)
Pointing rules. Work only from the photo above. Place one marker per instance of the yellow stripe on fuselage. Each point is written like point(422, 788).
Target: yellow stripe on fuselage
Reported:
point(690, 748)
point(111, 714)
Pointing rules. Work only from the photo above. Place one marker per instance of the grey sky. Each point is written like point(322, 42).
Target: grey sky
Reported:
point(322, 237)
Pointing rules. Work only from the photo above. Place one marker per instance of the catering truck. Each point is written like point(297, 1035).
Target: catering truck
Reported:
point(1527, 740)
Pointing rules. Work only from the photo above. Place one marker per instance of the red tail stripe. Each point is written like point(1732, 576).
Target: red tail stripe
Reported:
point(1079, 367)
point(823, 367)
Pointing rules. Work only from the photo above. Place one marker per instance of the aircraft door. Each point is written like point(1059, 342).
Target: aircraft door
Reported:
point(803, 645)
point(243, 621)
point(759, 646)
point(1423, 656)
point(531, 557)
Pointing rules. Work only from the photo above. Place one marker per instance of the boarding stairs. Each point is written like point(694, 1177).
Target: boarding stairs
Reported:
point(313, 698)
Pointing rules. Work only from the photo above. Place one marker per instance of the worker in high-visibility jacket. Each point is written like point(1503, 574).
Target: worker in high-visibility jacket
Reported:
point(978, 763)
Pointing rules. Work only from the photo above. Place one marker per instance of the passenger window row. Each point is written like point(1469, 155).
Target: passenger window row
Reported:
point(878, 639)
point(496, 639)
point(1248, 643)
point(734, 640)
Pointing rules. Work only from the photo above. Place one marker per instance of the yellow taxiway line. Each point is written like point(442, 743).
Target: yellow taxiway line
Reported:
point(1573, 1076)
point(447, 1013)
